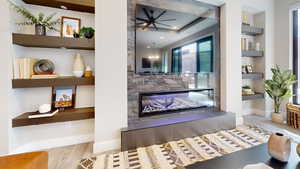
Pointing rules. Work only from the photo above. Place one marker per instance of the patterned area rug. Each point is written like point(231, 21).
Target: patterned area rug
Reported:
point(178, 154)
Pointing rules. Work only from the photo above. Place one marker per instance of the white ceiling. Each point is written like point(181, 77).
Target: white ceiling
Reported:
point(159, 39)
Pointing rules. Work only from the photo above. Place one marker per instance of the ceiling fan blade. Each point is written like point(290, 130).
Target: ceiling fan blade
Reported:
point(164, 20)
point(163, 24)
point(155, 26)
point(141, 19)
point(146, 12)
point(141, 23)
point(161, 14)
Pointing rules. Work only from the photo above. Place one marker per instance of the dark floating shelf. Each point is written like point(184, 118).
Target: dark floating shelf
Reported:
point(79, 5)
point(62, 116)
point(251, 30)
point(60, 81)
point(252, 75)
point(253, 96)
point(28, 40)
point(252, 53)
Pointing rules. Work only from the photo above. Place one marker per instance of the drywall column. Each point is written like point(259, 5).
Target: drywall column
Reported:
point(111, 73)
point(5, 78)
point(231, 77)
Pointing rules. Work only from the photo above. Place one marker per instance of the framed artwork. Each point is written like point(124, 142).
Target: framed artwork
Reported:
point(63, 97)
point(249, 68)
point(69, 26)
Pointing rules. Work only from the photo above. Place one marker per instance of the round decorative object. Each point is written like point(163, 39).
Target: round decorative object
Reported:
point(45, 108)
point(76, 35)
point(78, 66)
point(279, 147)
point(43, 66)
point(89, 35)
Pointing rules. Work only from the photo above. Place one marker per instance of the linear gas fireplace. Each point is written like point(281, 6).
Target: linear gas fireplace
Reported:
point(154, 103)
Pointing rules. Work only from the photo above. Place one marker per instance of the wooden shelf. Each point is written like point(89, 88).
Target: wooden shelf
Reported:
point(28, 40)
point(252, 75)
point(78, 5)
point(252, 53)
point(62, 116)
point(60, 81)
point(253, 96)
point(251, 30)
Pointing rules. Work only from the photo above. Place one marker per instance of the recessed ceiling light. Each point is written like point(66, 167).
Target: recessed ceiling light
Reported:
point(175, 27)
point(63, 7)
point(148, 47)
point(162, 37)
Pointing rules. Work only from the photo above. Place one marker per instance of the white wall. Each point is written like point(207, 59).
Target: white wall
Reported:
point(5, 78)
point(39, 137)
point(111, 73)
point(231, 77)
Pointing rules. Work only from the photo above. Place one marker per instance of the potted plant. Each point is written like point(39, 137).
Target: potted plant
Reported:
point(278, 88)
point(41, 22)
point(87, 32)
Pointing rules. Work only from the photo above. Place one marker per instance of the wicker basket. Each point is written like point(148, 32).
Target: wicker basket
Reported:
point(293, 115)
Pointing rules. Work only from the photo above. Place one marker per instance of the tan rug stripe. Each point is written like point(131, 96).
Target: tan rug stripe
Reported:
point(253, 134)
point(180, 154)
point(100, 162)
point(219, 143)
point(195, 154)
point(162, 162)
point(144, 159)
point(200, 150)
point(244, 136)
point(229, 143)
point(208, 147)
point(237, 141)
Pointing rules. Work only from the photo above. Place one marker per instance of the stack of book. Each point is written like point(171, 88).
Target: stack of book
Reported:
point(23, 69)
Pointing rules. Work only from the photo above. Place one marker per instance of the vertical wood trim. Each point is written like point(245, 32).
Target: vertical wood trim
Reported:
point(295, 54)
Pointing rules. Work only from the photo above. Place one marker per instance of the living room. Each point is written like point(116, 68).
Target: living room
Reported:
point(149, 84)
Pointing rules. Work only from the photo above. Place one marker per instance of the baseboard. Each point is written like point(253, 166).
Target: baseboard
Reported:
point(53, 143)
point(100, 147)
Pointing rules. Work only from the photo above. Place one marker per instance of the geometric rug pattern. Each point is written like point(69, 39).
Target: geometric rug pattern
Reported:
point(180, 153)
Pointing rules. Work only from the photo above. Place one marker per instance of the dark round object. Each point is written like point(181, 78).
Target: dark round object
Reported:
point(40, 30)
point(43, 66)
point(89, 35)
point(76, 35)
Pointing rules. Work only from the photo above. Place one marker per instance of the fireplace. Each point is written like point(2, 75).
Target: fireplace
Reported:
point(155, 103)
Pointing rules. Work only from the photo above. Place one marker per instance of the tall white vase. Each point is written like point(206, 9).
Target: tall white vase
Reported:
point(78, 66)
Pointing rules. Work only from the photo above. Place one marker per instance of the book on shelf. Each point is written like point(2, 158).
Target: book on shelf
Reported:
point(42, 115)
point(23, 67)
point(46, 76)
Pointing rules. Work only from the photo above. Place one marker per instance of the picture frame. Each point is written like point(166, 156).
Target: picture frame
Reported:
point(249, 68)
point(69, 26)
point(63, 97)
point(146, 63)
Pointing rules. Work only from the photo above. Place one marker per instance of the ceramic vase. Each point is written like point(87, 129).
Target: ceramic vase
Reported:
point(277, 118)
point(78, 66)
point(279, 147)
point(40, 30)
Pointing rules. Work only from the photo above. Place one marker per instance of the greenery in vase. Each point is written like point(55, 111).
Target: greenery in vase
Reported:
point(37, 20)
point(278, 88)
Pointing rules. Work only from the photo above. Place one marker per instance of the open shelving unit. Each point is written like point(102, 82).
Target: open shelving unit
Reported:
point(28, 40)
point(60, 81)
point(253, 32)
point(61, 116)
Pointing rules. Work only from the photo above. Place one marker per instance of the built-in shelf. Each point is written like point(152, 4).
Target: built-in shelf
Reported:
point(252, 53)
point(252, 75)
point(253, 96)
point(78, 5)
point(61, 116)
point(60, 81)
point(251, 30)
point(28, 40)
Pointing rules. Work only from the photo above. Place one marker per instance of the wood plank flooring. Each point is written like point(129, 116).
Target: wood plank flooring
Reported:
point(69, 157)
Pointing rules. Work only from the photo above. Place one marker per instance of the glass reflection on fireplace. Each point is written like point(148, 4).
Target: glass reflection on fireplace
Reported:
point(160, 102)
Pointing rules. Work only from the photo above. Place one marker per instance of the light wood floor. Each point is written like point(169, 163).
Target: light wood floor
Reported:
point(69, 157)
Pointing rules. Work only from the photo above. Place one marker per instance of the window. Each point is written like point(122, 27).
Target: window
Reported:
point(194, 57)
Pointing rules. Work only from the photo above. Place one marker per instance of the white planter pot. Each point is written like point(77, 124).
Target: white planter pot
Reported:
point(277, 118)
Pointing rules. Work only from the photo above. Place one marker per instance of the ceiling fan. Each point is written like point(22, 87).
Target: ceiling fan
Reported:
point(152, 20)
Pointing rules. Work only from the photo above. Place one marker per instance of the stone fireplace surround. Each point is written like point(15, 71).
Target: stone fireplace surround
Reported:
point(163, 82)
